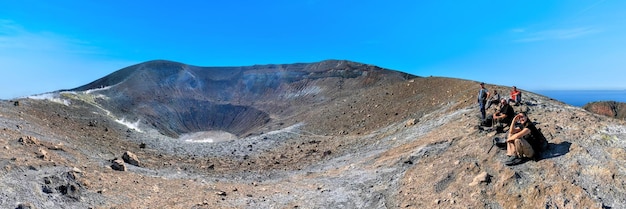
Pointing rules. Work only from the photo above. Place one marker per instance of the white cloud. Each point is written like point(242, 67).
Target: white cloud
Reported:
point(14, 37)
point(34, 62)
point(555, 34)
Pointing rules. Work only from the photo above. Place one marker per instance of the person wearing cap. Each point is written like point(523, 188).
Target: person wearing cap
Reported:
point(483, 94)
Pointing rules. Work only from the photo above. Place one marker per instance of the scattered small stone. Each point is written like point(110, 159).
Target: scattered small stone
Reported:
point(221, 193)
point(26, 205)
point(327, 152)
point(410, 122)
point(28, 140)
point(57, 147)
point(480, 178)
point(43, 154)
point(76, 170)
point(118, 165)
point(130, 158)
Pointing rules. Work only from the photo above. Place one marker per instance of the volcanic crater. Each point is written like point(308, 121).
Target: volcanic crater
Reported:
point(180, 99)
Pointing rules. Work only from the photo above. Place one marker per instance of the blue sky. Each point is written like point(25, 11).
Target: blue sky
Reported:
point(533, 44)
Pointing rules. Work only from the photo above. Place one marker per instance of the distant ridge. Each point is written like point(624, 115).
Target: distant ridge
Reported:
point(608, 108)
point(165, 68)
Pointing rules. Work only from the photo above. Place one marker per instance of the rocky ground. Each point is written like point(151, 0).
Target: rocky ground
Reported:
point(409, 144)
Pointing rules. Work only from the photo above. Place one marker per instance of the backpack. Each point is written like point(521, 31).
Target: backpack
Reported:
point(542, 142)
point(498, 142)
point(539, 144)
point(488, 122)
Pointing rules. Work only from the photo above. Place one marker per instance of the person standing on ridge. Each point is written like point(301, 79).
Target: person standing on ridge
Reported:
point(483, 94)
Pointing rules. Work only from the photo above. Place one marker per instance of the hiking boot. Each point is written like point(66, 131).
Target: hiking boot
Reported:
point(509, 159)
point(514, 161)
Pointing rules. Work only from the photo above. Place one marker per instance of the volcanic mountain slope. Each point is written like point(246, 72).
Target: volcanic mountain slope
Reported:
point(333, 134)
point(607, 108)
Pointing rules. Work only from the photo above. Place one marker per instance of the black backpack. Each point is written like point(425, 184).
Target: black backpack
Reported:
point(498, 142)
point(539, 144)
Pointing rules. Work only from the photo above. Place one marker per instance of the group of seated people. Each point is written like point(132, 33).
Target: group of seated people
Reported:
point(520, 133)
point(516, 97)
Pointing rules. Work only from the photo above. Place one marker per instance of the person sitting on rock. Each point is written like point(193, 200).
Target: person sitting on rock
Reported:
point(505, 115)
point(495, 99)
point(516, 96)
point(519, 140)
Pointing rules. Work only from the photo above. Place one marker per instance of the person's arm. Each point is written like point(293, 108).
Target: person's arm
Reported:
point(502, 113)
point(518, 135)
point(512, 127)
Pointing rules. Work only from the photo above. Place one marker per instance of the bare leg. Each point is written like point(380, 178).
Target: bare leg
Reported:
point(510, 149)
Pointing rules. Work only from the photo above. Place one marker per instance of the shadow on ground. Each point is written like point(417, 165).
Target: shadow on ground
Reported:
point(556, 150)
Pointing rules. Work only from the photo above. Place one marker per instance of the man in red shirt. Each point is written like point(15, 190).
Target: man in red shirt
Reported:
point(516, 96)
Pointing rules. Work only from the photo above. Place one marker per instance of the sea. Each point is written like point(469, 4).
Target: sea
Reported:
point(581, 97)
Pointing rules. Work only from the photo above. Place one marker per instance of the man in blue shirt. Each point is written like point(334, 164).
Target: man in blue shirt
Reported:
point(483, 94)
